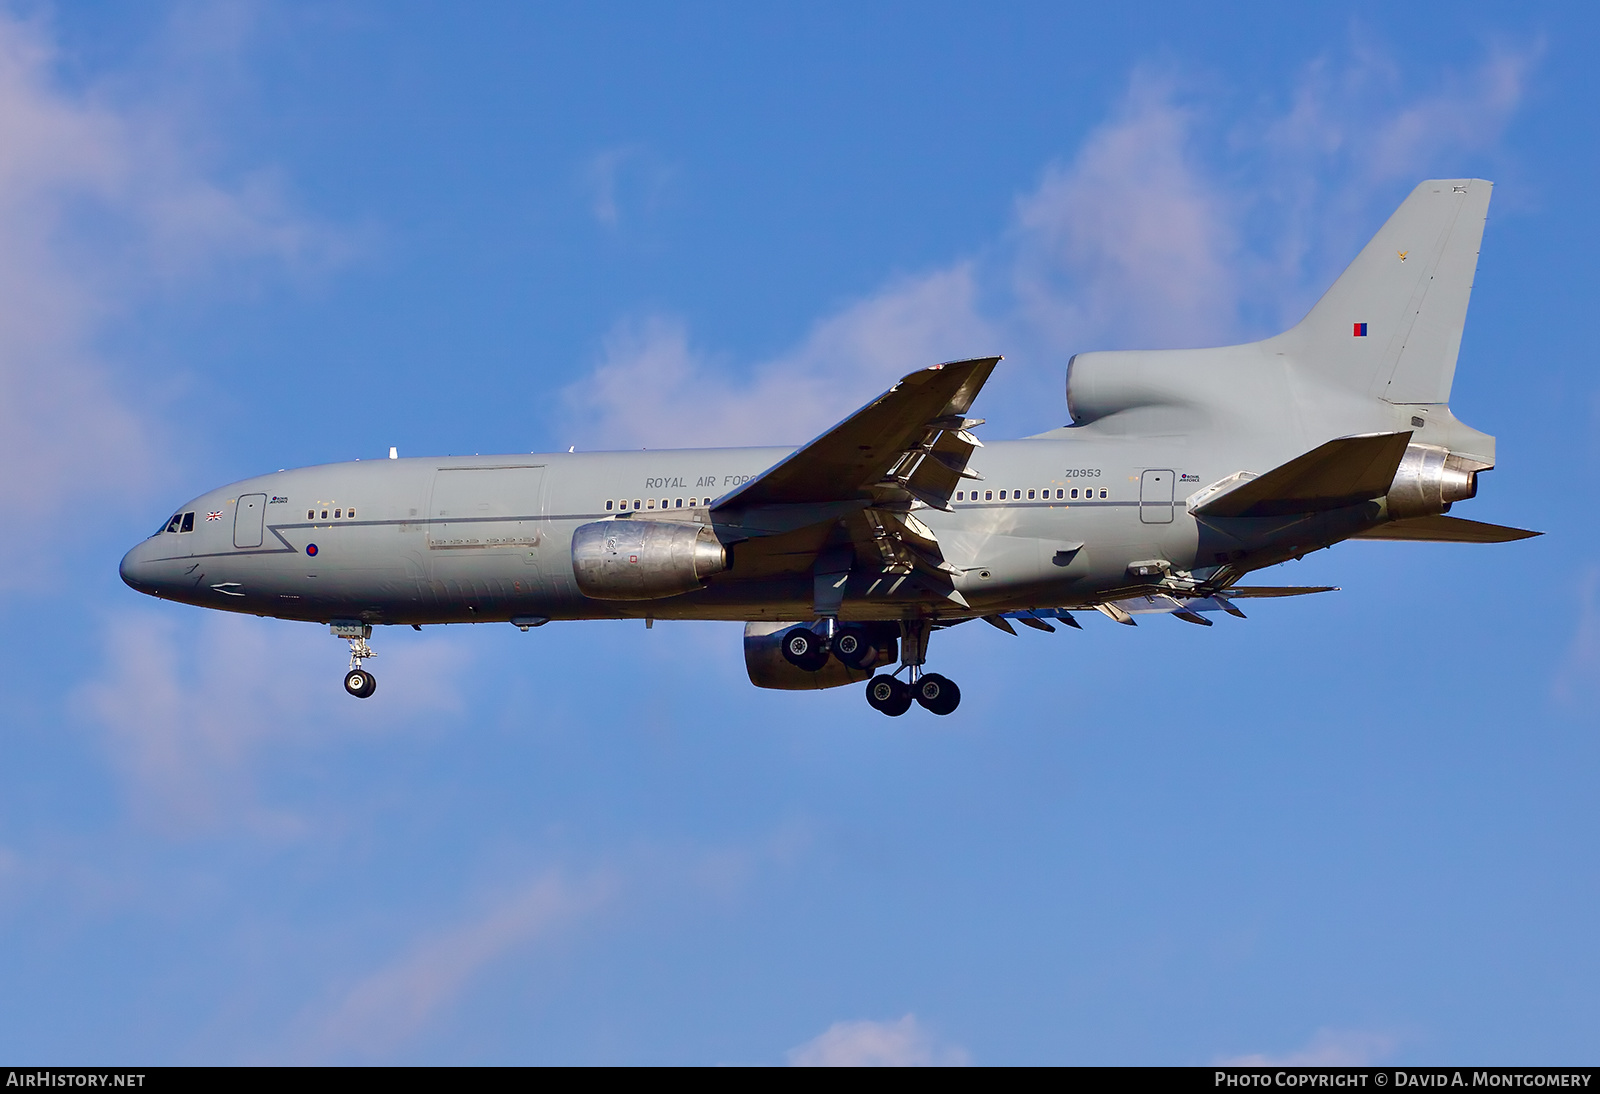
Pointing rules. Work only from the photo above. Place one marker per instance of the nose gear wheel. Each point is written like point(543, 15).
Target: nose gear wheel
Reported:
point(360, 683)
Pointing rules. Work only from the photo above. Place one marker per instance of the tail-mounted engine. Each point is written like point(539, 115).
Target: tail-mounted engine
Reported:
point(644, 559)
point(1429, 479)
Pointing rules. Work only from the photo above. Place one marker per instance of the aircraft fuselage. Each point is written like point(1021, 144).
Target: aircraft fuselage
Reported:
point(483, 538)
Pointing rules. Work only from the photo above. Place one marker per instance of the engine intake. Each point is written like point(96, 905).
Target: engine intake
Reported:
point(644, 559)
point(1428, 480)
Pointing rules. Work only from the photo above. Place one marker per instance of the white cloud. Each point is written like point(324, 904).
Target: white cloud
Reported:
point(1164, 228)
point(190, 714)
point(1133, 240)
point(1327, 1048)
point(100, 200)
point(903, 1043)
point(1575, 678)
point(652, 387)
point(391, 1005)
point(1358, 117)
point(1328, 161)
point(624, 179)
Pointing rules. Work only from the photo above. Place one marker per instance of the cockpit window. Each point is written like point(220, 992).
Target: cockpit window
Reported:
point(188, 522)
point(177, 519)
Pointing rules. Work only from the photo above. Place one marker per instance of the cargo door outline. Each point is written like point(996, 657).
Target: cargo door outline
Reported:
point(485, 525)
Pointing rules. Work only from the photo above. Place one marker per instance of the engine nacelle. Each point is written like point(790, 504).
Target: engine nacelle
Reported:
point(769, 668)
point(644, 559)
point(1428, 480)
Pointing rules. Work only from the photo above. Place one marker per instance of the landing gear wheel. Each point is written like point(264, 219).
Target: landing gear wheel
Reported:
point(851, 647)
point(938, 693)
point(803, 649)
point(360, 683)
point(888, 695)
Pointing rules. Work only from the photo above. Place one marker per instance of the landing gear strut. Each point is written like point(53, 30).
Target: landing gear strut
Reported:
point(893, 697)
point(358, 681)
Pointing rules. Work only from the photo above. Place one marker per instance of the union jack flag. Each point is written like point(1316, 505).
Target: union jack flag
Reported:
point(214, 516)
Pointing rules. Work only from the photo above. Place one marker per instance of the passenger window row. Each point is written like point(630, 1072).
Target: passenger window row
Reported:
point(650, 503)
point(1062, 494)
point(338, 514)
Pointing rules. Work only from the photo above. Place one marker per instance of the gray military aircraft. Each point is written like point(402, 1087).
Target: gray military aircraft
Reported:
point(1182, 471)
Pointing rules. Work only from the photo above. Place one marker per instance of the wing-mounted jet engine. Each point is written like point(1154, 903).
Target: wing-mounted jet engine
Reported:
point(644, 559)
point(1182, 472)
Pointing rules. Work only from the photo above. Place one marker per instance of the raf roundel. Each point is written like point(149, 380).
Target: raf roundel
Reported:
point(311, 549)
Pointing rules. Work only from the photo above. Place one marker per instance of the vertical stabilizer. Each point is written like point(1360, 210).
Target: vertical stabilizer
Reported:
point(1391, 325)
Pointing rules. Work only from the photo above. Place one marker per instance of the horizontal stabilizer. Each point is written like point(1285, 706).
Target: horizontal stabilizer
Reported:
point(1343, 472)
point(1239, 592)
point(1443, 529)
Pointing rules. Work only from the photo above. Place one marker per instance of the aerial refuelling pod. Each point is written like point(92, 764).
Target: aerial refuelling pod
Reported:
point(644, 559)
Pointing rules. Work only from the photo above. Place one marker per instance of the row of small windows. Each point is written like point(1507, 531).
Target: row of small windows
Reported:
point(1062, 494)
point(650, 503)
point(338, 514)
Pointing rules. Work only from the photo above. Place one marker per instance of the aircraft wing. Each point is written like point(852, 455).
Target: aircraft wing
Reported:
point(910, 442)
point(1442, 529)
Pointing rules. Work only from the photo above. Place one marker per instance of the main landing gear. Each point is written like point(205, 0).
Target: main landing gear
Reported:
point(358, 681)
point(893, 696)
point(809, 648)
point(937, 694)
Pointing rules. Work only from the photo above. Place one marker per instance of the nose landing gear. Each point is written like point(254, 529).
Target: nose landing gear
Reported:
point(358, 681)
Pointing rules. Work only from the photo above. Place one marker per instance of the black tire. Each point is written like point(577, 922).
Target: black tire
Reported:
point(938, 694)
point(888, 695)
point(802, 648)
point(852, 648)
point(359, 682)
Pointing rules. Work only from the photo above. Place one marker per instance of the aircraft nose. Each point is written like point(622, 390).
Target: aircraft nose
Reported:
point(135, 569)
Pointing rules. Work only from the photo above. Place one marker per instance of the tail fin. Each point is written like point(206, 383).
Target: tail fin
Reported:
point(1391, 325)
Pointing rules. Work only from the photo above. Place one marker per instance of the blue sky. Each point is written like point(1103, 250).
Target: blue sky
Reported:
point(1356, 828)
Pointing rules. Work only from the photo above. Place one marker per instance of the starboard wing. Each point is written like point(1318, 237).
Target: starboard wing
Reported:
point(848, 498)
point(910, 442)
